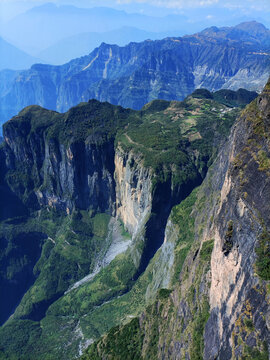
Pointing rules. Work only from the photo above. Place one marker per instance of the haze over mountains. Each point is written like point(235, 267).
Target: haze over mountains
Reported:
point(45, 25)
point(48, 28)
point(72, 47)
point(169, 69)
point(14, 58)
point(83, 43)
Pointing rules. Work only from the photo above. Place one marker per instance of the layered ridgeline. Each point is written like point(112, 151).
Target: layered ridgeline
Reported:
point(217, 305)
point(85, 198)
point(131, 76)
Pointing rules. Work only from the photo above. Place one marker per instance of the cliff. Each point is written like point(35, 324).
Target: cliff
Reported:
point(218, 303)
point(86, 199)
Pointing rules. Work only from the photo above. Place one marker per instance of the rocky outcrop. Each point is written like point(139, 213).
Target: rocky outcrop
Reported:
point(133, 75)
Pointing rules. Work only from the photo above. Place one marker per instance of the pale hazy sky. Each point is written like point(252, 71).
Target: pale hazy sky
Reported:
point(11, 8)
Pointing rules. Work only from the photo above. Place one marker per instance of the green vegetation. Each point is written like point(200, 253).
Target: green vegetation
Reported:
point(166, 136)
point(206, 250)
point(75, 241)
point(264, 161)
point(260, 129)
point(98, 304)
point(163, 294)
point(181, 216)
point(69, 251)
point(227, 97)
point(231, 98)
point(263, 256)
point(201, 318)
point(228, 241)
point(120, 343)
point(110, 282)
point(249, 324)
point(94, 118)
point(255, 354)
point(20, 334)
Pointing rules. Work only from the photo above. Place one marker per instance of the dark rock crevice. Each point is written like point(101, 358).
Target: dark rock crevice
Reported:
point(165, 196)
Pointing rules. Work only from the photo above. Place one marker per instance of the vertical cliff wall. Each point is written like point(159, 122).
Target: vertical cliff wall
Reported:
point(133, 190)
point(79, 175)
point(239, 296)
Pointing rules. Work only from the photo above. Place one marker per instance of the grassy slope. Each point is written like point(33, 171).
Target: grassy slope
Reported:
point(166, 137)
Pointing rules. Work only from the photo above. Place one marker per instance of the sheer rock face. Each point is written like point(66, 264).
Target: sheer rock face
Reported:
point(84, 175)
point(237, 295)
point(79, 175)
point(89, 174)
point(140, 72)
point(133, 190)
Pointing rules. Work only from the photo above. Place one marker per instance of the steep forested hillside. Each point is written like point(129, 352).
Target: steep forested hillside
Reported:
point(217, 305)
point(85, 239)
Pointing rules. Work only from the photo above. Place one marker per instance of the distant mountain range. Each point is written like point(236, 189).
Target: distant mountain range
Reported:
point(49, 25)
point(169, 69)
point(45, 25)
point(14, 58)
point(81, 44)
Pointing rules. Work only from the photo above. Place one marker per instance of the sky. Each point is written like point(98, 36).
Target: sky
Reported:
point(10, 8)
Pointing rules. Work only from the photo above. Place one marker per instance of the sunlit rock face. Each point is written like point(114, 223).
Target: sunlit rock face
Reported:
point(133, 190)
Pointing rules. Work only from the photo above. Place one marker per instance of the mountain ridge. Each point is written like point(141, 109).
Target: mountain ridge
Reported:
point(133, 75)
point(83, 43)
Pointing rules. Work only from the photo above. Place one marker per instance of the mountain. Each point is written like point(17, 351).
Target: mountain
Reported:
point(85, 200)
point(133, 75)
point(81, 44)
point(44, 25)
point(218, 308)
point(14, 58)
point(247, 31)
